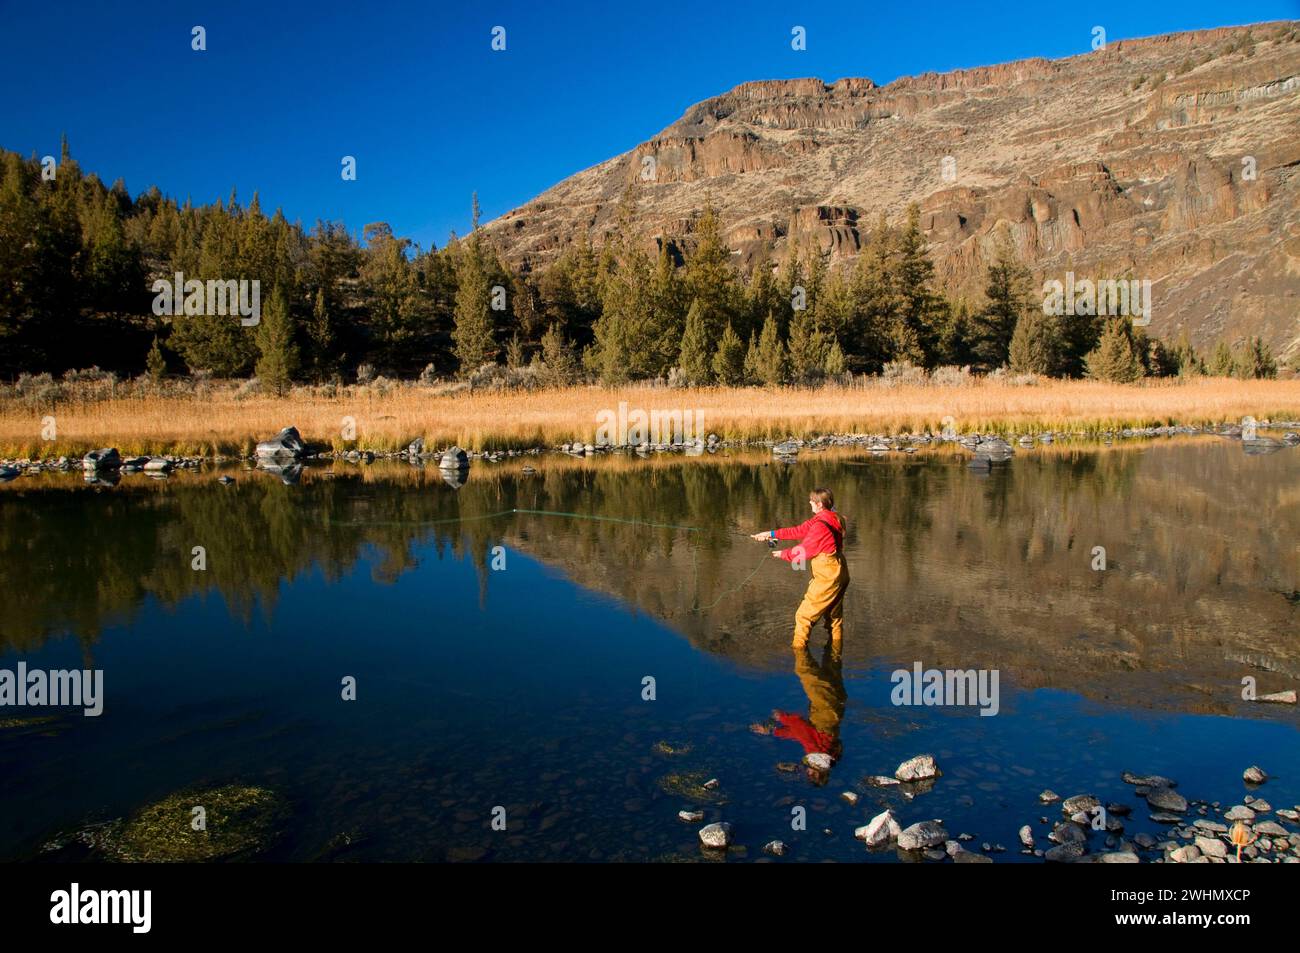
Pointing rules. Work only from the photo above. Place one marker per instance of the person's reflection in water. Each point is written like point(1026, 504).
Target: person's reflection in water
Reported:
point(819, 733)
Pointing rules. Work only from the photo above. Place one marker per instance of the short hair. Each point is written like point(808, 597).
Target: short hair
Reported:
point(824, 497)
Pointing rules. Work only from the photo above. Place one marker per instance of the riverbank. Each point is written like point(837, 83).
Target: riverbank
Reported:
point(220, 419)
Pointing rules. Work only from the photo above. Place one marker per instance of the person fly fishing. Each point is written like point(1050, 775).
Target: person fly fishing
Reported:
point(821, 548)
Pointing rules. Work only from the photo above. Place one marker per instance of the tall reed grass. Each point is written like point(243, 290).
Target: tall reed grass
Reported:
point(223, 419)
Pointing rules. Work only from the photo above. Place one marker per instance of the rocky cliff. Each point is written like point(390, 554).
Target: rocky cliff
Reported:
point(1171, 158)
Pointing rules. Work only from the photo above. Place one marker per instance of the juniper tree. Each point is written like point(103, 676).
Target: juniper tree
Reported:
point(1256, 360)
point(1116, 358)
point(1035, 346)
point(766, 361)
point(559, 366)
point(320, 333)
point(807, 348)
point(1221, 364)
point(920, 308)
point(729, 361)
point(1008, 298)
point(694, 359)
point(155, 364)
point(278, 360)
point(710, 278)
point(875, 301)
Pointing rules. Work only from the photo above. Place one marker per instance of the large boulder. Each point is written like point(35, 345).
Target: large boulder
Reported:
point(454, 459)
point(106, 458)
point(286, 445)
point(922, 835)
point(716, 835)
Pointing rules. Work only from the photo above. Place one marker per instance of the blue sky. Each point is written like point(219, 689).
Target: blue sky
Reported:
point(432, 113)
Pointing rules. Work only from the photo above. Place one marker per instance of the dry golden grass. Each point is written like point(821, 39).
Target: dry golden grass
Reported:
point(221, 423)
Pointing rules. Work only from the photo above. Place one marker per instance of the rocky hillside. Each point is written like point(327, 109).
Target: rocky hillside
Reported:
point(1173, 158)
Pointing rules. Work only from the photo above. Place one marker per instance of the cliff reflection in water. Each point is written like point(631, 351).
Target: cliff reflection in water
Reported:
point(950, 567)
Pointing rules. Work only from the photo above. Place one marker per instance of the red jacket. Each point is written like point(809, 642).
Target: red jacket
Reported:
point(824, 533)
point(797, 727)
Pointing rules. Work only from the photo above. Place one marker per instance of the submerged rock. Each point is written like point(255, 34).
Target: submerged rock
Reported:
point(240, 822)
point(1064, 853)
point(774, 847)
point(1148, 780)
point(1166, 800)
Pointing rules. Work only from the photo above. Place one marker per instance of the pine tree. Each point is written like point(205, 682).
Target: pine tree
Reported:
point(1007, 291)
point(766, 361)
point(1186, 361)
point(558, 364)
point(1221, 364)
point(694, 357)
point(954, 346)
point(1035, 345)
point(874, 287)
point(835, 365)
point(475, 345)
point(807, 348)
point(666, 319)
point(320, 332)
point(761, 294)
point(1116, 358)
point(753, 369)
point(155, 364)
point(1256, 361)
point(729, 362)
point(279, 354)
point(920, 313)
point(515, 351)
point(710, 278)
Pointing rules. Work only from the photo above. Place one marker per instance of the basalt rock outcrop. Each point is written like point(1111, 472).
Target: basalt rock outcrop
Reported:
point(1172, 158)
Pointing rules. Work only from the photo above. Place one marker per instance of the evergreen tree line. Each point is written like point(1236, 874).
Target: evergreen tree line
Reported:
point(77, 261)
